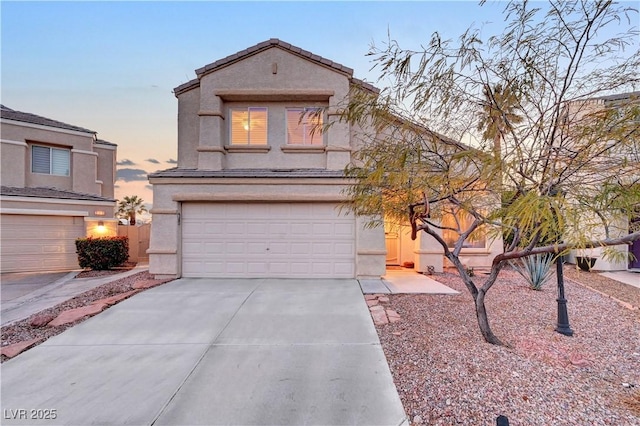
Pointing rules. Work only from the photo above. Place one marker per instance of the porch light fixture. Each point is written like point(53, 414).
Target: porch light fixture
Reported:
point(100, 226)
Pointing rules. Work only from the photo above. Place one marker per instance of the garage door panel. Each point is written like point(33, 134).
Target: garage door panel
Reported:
point(39, 243)
point(211, 247)
point(268, 240)
point(301, 249)
point(343, 248)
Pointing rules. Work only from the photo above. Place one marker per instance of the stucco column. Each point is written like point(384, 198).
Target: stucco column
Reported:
point(371, 252)
point(165, 238)
point(428, 253)
point(211, 145)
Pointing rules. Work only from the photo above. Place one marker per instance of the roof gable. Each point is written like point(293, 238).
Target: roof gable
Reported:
point(261, 47)
point(274, 42)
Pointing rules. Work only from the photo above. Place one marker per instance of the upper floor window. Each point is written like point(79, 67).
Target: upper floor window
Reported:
point(249, 126)
point(304, 126)
point(50, 161)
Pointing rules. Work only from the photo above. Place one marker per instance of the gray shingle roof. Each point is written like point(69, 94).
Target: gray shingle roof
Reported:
point(49, 193)
point(26, 117)
point(248, 173)
point(274, 42)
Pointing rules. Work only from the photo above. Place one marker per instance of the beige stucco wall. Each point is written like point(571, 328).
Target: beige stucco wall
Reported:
point(203, 125)
point(16, 158)
point(188, 128)
point(13, 172)
point(106, 169)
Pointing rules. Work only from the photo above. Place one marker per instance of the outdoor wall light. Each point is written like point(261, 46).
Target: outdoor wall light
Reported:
point(101, 226)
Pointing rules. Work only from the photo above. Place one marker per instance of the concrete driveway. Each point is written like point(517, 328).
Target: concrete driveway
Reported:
point(212, 351)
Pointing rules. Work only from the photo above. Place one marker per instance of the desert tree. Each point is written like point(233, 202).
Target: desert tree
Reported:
point(129, 207)
point(568, 156)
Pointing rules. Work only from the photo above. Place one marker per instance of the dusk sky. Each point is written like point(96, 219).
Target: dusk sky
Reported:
point(111, 66)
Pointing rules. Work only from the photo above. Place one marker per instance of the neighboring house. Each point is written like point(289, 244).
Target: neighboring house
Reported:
point(257, 192)
point(57, 185)
point(581, 112)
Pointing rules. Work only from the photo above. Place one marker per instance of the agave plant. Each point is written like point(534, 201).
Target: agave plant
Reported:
point(536, 269)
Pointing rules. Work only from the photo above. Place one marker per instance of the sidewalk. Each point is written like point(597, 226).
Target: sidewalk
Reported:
point(404, 281)
point(627, 277)
point(60, 289)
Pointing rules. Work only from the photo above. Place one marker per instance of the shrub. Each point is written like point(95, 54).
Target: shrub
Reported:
point(102, 253)
point(536, 269)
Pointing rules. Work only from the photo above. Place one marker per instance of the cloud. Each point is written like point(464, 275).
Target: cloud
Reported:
point(126, 162)
point(171, 161)
point(152, 160)
point(129, 175)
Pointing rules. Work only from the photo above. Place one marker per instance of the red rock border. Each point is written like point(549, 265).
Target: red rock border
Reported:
point(381, 315)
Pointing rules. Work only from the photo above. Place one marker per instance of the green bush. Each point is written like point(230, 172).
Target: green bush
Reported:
point(102, 253)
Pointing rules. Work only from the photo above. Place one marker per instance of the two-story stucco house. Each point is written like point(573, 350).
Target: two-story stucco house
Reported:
point(57, 185)
point(583, 113)
point(257, 192)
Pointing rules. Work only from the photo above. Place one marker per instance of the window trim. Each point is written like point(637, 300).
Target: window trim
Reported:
point(304, 133)
point(51, 160)
point(248, 130)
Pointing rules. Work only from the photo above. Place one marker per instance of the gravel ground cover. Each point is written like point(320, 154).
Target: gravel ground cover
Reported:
point(446, 374)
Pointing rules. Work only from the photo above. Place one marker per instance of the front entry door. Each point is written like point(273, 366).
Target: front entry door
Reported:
point(635, 247)
point(392, 243)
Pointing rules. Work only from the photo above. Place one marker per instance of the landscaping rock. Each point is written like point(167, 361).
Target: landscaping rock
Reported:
point(379, 317)
point(73, 315)
point(40, 320)
point(371, 303)
point(147, 284)
point(383, 299)
point(17, 348)
point(117, 298)
point(393, 315)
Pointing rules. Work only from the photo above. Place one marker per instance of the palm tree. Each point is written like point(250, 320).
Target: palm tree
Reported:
point(498, 115)
point(129, 207)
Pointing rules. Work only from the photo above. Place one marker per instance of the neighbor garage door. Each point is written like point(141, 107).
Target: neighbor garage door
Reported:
point(40, 243)
point(267, 240)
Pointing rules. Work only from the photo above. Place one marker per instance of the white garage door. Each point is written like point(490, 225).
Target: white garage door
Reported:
point(285, 240)
point(40, 243)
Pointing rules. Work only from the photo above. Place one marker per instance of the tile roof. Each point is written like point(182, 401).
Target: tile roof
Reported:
point(103, 142)
point(49, 193)
point(621, 96)
point(25, 117)
point(274, 42)
point(248, 173)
